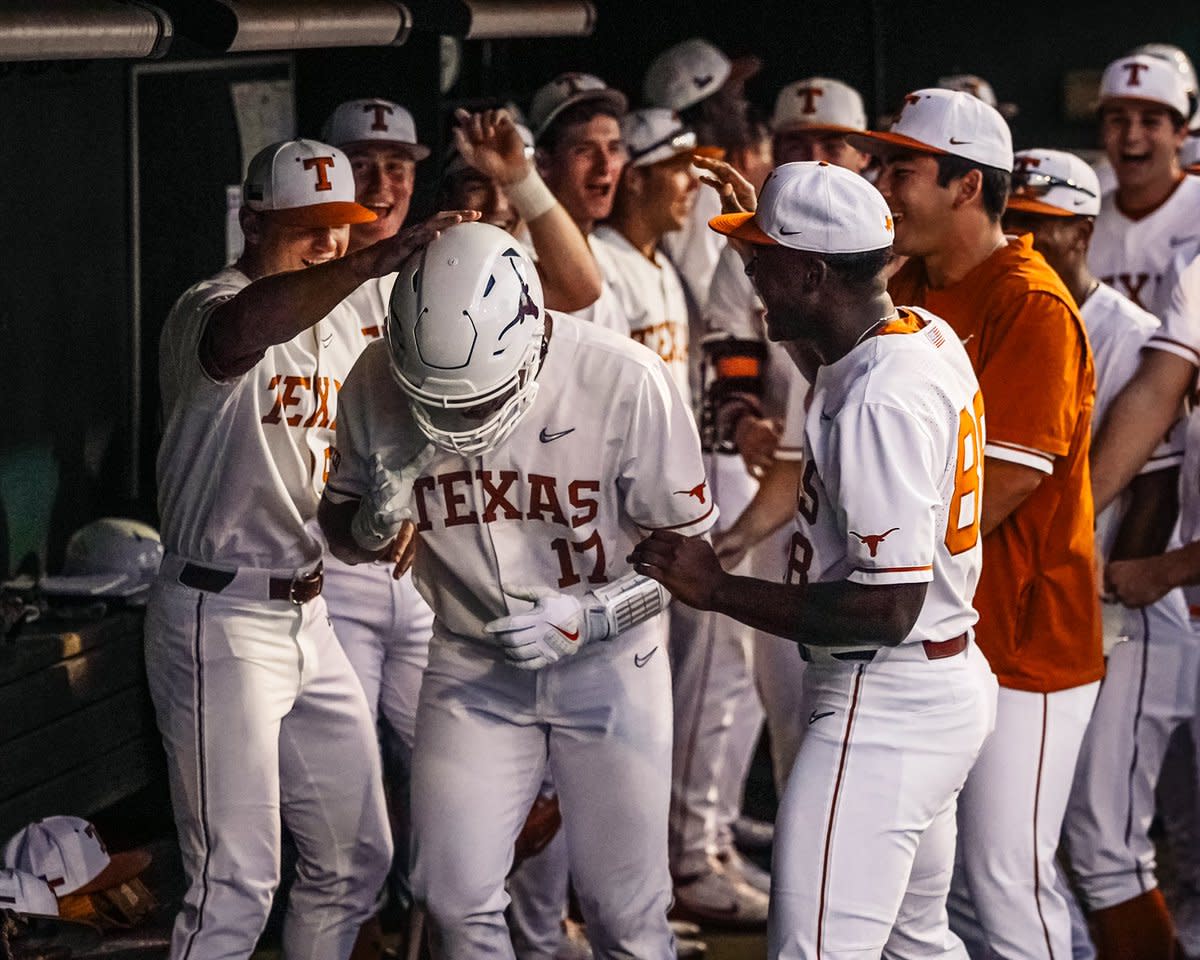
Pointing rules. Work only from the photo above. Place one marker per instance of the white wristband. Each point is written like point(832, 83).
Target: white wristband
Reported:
point(530, 196)
point(624, 603)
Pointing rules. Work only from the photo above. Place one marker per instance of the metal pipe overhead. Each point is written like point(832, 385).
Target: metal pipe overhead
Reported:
point(82, 30)
point(497, 19)
point(241, 26)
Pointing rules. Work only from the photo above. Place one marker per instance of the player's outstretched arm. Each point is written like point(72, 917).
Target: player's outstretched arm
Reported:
point(276, 308)
point(1137, 420)
point(840, 613)
point(1007, 487)
point(570, 276)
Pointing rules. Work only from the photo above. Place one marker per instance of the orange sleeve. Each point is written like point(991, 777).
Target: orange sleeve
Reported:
point(1034, 375)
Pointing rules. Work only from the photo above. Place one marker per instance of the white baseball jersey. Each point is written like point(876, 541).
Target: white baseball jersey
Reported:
point(651, 297)
point(371, 301)
point(1133, 255)
point(1178, 309)
point(1118, 329)
point(262, 439)
point(893, 445)
point(607, 453)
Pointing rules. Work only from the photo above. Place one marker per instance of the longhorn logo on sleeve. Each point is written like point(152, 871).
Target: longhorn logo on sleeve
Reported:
point(697, 491)
point(873, 540)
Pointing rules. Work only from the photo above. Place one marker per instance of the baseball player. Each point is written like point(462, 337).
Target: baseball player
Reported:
point(708, 91)
point(946, 176)
point(878, 585)
point(482, 424)
point(1056, 198)
point(1145, 224)
point(260, 711)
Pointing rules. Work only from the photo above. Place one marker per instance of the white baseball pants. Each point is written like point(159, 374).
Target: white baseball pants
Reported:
point(1010, 819)
point(262, 718)
point(864, 837)
point(485, 733)
point(1149, 691)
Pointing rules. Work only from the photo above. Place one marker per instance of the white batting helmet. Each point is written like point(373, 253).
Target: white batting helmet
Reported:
point(110, 557)
point(465, 332)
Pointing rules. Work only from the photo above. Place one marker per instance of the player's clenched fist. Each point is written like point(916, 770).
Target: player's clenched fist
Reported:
point(556, 627)
point(686, 566)
point(1141, 582)
point(386, 505)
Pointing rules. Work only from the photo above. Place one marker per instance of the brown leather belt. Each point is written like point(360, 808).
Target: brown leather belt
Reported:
point(934, 650)
point(294, 589)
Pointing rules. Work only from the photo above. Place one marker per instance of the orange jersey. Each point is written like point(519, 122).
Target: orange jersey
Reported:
point(1039, 620)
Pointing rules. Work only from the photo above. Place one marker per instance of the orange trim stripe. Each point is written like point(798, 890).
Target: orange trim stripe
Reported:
point(738, 367)
point(906, 322)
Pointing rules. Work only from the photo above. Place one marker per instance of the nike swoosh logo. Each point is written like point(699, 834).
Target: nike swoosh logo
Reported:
point(959, 143)
point(326, 341)
point(1180, 241)
point(641, 661)
point(573, 637)
point(814, 716)
point(546, 437)
point(789, 233)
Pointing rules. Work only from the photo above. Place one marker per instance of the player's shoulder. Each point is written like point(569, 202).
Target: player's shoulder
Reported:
point(223, 284)
point(918, 350)
point(596, 351)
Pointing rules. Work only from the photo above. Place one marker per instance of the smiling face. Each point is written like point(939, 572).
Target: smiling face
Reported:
point(1142, 141)
point(280, 247)
point(584, 167)
point(921, 210)
point(665, 192)
point(383, 183)
point(471, 190)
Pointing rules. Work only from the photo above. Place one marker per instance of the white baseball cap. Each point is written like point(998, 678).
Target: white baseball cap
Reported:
point(819, 104)
point(814, 206)
point(68, 854)
point(1149, 78)
point(653, 134)
point(305, 183)
point(1054, 183)
point(1183, 63)
point(970, 83)
point(683, 75)
point(566, 90)
point(373, 121)
point(944, 122)
point(24, 892)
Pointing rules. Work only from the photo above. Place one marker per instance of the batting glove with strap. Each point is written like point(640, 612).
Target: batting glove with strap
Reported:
point(388, 502)
point(559, 624)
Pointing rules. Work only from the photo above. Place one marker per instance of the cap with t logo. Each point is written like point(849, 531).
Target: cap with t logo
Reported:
point(820, 105)
point(303, 183)
point(814, 206)
point(949, 122)
point(1054, 183)
point(69, 855)
point(1146, 77)
point(373, 121)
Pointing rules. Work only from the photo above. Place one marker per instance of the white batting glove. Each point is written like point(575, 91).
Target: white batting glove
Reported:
point(388, 503)
point(556, 627)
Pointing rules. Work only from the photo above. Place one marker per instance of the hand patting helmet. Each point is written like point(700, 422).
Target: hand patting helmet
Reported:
point(465, 333)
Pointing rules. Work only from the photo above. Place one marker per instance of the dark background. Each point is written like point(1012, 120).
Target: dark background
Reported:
point(71, 412)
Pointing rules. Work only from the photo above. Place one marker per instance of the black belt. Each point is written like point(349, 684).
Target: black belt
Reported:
point(934, 650)
point(294, 589)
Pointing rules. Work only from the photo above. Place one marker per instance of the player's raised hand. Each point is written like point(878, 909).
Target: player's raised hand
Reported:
point(490, 142)
point(687, 566)
point(736, 192)
point(388, 503)
point(556, 627)
point(1138, 583)
point(386, 255)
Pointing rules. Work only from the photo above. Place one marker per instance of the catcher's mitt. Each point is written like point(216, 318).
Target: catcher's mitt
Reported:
point(541, 825)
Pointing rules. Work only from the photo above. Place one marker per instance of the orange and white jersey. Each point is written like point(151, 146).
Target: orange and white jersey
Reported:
point(607, 453)
point(651, 297)
point(892, 441)
point(1133, 255)
point(243, 461)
